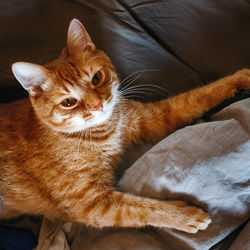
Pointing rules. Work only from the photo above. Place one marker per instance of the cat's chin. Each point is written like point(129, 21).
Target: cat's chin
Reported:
point(79, 124)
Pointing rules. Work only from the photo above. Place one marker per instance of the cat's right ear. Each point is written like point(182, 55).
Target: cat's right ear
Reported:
point(31, 76)
point(78, 38)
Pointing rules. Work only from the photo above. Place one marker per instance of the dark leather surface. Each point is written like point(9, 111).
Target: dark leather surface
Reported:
point(179, 43)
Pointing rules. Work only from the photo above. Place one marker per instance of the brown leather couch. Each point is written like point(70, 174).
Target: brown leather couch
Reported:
point(179, 43)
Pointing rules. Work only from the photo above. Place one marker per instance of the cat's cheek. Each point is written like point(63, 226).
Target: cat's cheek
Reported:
point(59, 119)
point(77, 124)
point(99, 117)
point(114, 89)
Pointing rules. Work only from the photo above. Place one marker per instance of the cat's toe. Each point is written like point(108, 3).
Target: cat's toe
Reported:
point(200, 223)
point(196, 220)
point(204, 225)
point(191, 229)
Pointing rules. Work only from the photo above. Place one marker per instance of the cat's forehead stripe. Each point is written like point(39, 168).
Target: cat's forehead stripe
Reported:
point(77, 71)
point(85, 72)
point(76, 91)
point(65, 78)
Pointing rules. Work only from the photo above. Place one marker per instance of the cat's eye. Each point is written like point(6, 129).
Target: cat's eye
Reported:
point(69, 102)
point(97, 78)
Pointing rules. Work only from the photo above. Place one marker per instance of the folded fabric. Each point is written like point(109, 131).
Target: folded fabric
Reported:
point(207, 165)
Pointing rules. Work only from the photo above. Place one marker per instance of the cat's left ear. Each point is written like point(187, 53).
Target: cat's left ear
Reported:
point(78, 38)
point(32, 77)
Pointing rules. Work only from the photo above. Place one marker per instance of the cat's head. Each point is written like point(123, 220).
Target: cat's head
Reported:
point(78, 90)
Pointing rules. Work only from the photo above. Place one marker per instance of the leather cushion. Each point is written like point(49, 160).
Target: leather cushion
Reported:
point(180, 44)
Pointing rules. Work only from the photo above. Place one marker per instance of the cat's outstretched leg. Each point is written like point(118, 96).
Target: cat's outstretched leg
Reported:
point(196, 102)
point(111, 208)
point(152, 121)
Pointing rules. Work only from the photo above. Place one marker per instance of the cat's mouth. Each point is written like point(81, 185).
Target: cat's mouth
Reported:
point(100, 116)
point(80, 123)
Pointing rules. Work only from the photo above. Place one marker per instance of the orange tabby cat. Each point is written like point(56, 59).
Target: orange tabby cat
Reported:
point(59, 147)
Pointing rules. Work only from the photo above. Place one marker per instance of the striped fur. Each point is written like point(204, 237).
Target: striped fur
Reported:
point(59, 162)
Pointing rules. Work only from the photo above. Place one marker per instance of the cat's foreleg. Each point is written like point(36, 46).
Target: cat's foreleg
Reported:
point(112, 208)
point(193, 104)
point(153, 121)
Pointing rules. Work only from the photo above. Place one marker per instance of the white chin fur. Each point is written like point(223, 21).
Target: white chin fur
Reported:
point(79, 124)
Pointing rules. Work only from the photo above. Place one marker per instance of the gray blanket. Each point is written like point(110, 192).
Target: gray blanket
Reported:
point(207, 164)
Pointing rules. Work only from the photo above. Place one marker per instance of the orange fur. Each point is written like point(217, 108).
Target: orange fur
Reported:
point(63, 168)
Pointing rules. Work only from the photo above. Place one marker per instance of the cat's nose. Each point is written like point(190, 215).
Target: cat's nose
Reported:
point(97, 106)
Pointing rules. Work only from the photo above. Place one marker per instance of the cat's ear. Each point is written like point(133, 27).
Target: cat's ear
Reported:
point(31, 76)
point(78, 39)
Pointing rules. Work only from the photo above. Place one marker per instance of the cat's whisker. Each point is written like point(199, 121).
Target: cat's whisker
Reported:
point(133, 80)
point(127, 89)
point(133, 96)
point(80, 145)
point(137, 92)
point(76, 158)
point(90, 140)
point(143, 89)
point(129, 76)
point(141, 72)
point(149, 86)
point(84, 140)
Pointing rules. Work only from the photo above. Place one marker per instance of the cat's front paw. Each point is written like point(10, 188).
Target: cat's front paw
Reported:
point(242, 79)
point(196, 220)
point(192, 219)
